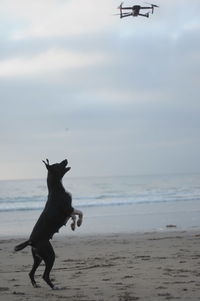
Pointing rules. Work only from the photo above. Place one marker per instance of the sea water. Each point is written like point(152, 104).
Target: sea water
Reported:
point(110, 204)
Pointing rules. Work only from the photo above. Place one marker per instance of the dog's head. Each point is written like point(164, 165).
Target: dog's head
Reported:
point(58, 169)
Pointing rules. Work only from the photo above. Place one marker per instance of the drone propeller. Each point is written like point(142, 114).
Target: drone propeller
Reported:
point(120, 6)
point(153, 5)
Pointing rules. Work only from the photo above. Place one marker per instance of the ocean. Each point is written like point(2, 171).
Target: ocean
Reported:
point(110, 204)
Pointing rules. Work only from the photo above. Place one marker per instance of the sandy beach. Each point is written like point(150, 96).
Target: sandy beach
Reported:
point(118, 267)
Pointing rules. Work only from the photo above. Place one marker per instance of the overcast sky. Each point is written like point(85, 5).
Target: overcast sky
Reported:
point(114, 96)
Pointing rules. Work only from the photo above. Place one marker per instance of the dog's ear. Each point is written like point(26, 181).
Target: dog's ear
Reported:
point(46, 163)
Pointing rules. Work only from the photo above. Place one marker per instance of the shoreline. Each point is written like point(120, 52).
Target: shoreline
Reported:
point(118, 267)
point(112, 219)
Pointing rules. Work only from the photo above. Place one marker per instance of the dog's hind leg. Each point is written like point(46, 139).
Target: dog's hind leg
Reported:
point(47, 253)
point(37, 260)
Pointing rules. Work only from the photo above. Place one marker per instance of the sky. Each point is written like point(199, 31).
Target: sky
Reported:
point(113, 96)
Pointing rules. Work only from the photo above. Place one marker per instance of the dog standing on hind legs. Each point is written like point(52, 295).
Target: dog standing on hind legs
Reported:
point(58, 210)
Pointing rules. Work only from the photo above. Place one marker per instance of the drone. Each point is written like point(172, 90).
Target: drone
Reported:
point(135, 10)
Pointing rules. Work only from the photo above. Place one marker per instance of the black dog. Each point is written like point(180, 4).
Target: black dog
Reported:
point(57, 212)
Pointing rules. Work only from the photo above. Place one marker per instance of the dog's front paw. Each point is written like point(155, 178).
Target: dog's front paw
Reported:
point(79, 221)
point(73, 226)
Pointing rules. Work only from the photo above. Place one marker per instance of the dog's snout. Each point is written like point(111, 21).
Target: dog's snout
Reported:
point(65, 162)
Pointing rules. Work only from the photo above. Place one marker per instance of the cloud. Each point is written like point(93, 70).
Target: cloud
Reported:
point(48, 18)
point(53, 60)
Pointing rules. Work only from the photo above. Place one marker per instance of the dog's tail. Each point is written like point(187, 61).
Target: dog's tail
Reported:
point(22, 246)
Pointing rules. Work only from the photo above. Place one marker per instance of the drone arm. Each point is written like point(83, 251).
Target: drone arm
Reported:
point(145, 7)
point(128, 8)
point(144, 15)
point(126, 15)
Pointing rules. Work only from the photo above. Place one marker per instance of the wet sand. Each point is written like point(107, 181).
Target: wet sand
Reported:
point(119, 267)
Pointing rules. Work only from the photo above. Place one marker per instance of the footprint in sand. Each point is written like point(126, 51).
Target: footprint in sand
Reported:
point(128, 297)
point(18, 293)
point(164, 294)
point(4, 289)
point(127, 277)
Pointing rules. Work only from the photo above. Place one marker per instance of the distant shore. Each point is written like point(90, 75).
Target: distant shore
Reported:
point(120, 267)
